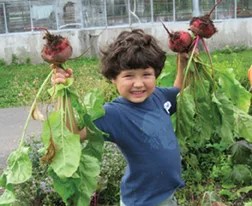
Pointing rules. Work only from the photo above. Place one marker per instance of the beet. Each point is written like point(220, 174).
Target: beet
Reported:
point(57, 49)
point(203, 26)
point(179, 41)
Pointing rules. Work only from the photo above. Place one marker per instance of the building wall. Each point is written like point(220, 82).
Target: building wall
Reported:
point(233, 32)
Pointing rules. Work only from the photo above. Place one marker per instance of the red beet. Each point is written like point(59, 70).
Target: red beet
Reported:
point(57, 49)
point(203, 25)
point(179, 41)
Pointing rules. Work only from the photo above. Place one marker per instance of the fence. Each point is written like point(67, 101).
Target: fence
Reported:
point(26, 15)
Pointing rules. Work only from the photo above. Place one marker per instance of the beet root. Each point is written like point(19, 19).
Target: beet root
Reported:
point(57, 49)
point(179, 41)
point(203, 26)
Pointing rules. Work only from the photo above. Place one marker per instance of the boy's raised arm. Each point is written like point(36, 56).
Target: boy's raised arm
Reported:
point(182, 59)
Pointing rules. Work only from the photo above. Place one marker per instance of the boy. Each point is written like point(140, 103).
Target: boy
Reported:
point(138, 121)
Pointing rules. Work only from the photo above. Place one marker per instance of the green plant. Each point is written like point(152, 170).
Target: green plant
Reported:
point(39, 191)
point(112, 169)
point(28, 60)
point(14, 59)
point(2, 63)
point(72, 166)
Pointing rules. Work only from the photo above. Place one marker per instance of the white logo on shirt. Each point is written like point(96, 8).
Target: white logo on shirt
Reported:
point(167, 106)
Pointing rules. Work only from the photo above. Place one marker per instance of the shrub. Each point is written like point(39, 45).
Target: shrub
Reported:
point(112, 170)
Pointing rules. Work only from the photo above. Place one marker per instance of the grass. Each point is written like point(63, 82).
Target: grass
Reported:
point(19, 83)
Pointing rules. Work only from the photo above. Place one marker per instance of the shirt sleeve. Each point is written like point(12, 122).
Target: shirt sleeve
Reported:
point(109, 122)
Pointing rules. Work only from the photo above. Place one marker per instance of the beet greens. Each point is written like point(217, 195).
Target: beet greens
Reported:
point(73, 166)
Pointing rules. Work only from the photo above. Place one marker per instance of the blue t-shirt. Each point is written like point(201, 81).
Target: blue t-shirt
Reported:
point(144, 134)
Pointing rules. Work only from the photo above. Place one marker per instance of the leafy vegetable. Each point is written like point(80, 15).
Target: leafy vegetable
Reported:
point(73, 166)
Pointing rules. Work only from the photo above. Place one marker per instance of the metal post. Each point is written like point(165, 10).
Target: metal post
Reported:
point(129, 9)
point(152, 11)
point(81, 15)
point(174, 10)
point(56, 14)
point(105, 13)
point(196, 10)
point(216, 10)
point(31, 15)
point(5, 19)
point(235, 9)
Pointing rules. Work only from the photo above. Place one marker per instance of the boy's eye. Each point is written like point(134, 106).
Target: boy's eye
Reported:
point(128, 75)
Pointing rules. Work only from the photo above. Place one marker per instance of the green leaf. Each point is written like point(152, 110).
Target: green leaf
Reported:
point(241, 153)
point(202, 131)
point(90, 164)
point(166, 79)
point(244, 190)
point(7, 198)
point(248, 203)
point(3, 180)
point(224, 113)
point(88, 171)
point(243, 123)
point(185, 114)
point(241, 175)
point(233, 89)
point(65, 187)
point(95, 139)
point(58, 89)
point(19, 166)
point(68, 146)
point(94, 101)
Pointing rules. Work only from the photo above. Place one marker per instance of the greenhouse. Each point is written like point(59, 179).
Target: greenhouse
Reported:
point(27, 15)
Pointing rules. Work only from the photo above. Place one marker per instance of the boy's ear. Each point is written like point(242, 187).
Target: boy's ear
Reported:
point(113, 81)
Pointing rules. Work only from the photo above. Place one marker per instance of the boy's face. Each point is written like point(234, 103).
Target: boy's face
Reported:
point(136, 85)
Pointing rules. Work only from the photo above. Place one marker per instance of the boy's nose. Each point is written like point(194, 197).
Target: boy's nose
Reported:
point(138, 83)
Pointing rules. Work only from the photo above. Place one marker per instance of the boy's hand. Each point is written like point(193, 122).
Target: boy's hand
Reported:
point(183, 58)
point(60, 75)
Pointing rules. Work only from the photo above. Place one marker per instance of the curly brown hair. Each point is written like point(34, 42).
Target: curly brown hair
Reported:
point(132, 50)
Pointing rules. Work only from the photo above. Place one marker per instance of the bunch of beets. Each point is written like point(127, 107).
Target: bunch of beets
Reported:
point(201, 27)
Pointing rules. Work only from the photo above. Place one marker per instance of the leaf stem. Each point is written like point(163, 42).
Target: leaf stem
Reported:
point(190, 61)
point(32, 108)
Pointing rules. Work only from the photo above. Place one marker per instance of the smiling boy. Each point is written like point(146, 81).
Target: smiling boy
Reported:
point(138, 121)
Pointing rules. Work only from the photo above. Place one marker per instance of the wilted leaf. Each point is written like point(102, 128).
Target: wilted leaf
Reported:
point(37, 114)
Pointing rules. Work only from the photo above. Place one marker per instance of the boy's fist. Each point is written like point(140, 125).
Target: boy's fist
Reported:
point(60, 75)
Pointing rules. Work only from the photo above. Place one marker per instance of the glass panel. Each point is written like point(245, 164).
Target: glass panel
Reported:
point(18, 16)
point(43, 14)
point(183, 10)
point(206, 6)
point(225, 10)
point(244, 8)
point(117, 12)
point(94, 13)
point(23, 15)
point(140, 11)
point(69, 14)
point(163, 10)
